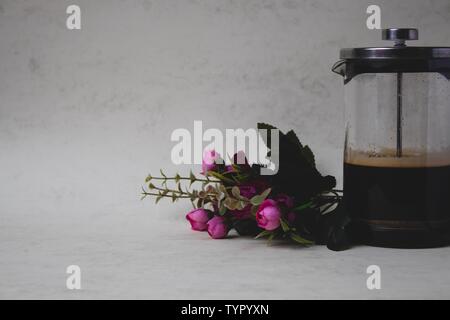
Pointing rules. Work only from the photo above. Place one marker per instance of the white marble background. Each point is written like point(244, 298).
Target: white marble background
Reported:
point(85, 115)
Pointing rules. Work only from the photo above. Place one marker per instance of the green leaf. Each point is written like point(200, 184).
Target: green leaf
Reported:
point(300, 240)
point(267, 138)
point(158, 198)
point(219, 176)
point(303, 206)
point(192, 177)
point(241, 205)
point(222, 209)
point(258, 199)
point(309, 155)
point(151, 186)
point(231, 203)
point(266, 193)
point(284, 225)
point(265, 126)
point(304, 151)
point(236, 192)
point(177, 178)
point(223, 189)
point(253, 210)
point(149, 177)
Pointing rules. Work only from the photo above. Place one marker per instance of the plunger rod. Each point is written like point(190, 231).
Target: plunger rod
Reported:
point(399, 114)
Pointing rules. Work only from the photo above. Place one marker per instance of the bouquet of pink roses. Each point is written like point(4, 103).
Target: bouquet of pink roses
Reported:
point(293, 204)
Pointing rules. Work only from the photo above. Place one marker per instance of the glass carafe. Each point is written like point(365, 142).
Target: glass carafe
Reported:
point(397, 142)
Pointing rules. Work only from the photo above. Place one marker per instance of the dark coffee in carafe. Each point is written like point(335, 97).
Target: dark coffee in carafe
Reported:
point(398, 202)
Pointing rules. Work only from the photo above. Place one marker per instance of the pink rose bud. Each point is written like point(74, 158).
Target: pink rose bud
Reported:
point(268, 215)
point(217, 228)
point(209, 160)
point(198, 219)
point(229, 169)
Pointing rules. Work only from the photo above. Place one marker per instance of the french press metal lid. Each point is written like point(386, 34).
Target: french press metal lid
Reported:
point(398, 58)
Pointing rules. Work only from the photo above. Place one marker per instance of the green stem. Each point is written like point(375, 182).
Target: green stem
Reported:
point(184, 178)
point(172, 190)
point(166, 195)
point(303, 206)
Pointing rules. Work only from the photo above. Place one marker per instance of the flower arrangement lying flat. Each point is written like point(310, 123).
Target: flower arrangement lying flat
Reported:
point(297, 203)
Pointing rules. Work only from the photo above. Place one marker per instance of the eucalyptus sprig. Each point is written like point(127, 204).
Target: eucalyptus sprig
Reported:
point(212, 192)
point(205, 195)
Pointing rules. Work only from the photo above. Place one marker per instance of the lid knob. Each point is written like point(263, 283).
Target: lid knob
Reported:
point(400, 35)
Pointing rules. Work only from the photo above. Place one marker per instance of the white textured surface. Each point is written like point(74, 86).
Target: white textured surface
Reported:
point(84, 115)
point(131, 256)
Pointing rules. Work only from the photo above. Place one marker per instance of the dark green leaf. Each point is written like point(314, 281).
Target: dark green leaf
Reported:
point(264, 233)
point(303, 206)
point(300, 240)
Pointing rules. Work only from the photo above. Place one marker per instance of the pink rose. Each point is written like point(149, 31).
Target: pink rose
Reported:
point(198, 219)
point(268, 215)
point(209, 160)
point(285, 200)
point(217, 228)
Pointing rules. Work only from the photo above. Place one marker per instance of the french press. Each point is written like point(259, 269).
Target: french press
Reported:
point(397, 142)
